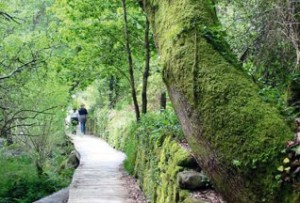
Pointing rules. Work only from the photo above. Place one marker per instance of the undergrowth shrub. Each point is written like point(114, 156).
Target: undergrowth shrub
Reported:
point(98, 121)
point(20, 182)
point(131, 149)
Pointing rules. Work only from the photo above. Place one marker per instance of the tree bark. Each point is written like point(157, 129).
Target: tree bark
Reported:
point(236, 137)
point(147, 68)
point(111, 92)
point(163, 101)
point(130, 63)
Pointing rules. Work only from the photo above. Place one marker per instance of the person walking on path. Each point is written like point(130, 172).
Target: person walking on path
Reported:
point(82, 118)
point(74, 120)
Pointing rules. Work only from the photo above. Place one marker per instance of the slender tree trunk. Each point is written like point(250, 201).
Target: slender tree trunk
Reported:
point(147, 68)
point(163, 101)
point(294, 94)
point(111, 92)
point(116, 91)
point(130, 63)
point(236, 137)
point(39, 168)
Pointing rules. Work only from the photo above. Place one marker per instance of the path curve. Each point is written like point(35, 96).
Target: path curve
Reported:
point(98, 178)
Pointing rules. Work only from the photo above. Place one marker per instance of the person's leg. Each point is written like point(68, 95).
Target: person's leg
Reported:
point(83, 128)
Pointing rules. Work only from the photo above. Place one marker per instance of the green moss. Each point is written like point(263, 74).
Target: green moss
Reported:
point(183, 194)
point(192, 200)
point(227, 114)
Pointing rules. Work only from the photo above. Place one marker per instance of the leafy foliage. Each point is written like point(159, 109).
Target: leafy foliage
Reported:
point(263, 36)
point(21, 183)
point(33, 97)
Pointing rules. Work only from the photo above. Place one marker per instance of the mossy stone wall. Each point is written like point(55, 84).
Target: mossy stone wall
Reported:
point(157, 166)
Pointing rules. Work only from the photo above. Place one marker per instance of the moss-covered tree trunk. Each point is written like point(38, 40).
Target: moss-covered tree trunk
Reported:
point(235, 136)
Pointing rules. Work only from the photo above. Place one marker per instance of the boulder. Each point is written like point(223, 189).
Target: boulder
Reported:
point(73, 161)
point(192, 180)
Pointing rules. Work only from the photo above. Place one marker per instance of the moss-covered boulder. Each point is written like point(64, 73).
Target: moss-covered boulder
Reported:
point(192, 180)
point(73, 160)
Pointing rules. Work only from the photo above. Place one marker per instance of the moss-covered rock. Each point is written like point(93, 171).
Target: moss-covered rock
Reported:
point(192, 180)
point(72, 161)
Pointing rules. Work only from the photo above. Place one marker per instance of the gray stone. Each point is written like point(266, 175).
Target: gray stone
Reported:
point(2, 142)
point(73, 161)
point(192, 180)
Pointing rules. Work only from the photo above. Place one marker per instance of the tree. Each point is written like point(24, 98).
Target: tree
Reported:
point(91, 32)
point(33, 96)
point(130, 63)
point(147, 68)
point(235, 136)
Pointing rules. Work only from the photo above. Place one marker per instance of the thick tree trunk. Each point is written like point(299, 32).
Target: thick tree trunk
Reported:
point(130, 63)
point(147, 68)
point(236, 137)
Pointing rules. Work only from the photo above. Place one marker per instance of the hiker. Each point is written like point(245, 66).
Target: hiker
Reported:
point(74, 120)
point(82, 118)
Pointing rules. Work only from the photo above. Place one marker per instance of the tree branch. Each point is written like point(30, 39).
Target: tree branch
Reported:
point(17, 70)
point(9, 17)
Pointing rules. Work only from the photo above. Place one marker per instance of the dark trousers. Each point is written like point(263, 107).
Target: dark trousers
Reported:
point(82, 127)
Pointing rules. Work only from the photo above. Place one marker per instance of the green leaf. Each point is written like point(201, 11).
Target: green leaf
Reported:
point(286, 160)
point(296, 150)
point(280, 168)
point(278, 177)
point(236, 162)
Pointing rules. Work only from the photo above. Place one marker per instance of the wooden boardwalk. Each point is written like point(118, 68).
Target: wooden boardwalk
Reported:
point(98, 178)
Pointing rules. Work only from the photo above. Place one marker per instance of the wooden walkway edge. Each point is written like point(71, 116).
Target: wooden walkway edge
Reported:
point(98, 178)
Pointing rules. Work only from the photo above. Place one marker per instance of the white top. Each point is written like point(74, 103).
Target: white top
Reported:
point(75, 115)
